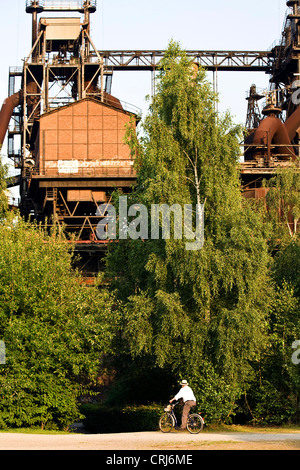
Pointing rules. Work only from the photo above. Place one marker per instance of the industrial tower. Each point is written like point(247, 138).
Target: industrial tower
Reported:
point(69, 128)
point(274, 140)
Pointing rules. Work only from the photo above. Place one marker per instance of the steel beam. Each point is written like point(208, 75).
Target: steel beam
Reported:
point(260, 61)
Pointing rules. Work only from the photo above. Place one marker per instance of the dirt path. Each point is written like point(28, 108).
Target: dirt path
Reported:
point(152, 441)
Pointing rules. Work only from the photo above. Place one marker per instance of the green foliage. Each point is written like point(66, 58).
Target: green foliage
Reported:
point(102, 419)
point(286, 267)
point(274, 395)
point(201, 314)
point(271, 405)
point(283, 201)
point(54, 328)
point(3, 188)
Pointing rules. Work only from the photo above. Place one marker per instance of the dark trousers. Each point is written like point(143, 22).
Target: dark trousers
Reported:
point(186, 408)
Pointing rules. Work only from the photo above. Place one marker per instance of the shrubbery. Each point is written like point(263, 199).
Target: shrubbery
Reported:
point(101, 419)
point(54, 328)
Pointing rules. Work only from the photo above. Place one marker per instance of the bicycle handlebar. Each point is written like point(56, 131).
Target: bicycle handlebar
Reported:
point(171, 406)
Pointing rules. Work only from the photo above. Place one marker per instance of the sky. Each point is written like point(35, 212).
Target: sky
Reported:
point(140, 24)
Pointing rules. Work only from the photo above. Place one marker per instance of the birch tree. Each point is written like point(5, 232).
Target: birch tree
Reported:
point(197, 314)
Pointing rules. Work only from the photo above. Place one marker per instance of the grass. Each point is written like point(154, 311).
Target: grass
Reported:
point(33, 431)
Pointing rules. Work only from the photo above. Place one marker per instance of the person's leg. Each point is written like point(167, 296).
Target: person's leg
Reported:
point(187, 406)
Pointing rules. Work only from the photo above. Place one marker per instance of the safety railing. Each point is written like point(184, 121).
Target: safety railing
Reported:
point(34, 4)
point(99, 172)
point(60, 5)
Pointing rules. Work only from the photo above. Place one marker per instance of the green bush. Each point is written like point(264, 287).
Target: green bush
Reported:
point(100, 419)
point(54, 328)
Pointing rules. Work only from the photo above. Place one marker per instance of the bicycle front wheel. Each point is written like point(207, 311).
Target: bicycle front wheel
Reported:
point(166, 422)
point(195, 423)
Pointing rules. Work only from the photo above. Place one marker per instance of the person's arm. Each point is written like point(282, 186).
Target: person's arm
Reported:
point(176, 398)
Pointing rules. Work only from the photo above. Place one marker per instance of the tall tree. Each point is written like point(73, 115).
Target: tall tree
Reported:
point(199, 314)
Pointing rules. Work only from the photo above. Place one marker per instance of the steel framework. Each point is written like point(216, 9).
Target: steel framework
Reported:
point(255, 61)
point(63, 68)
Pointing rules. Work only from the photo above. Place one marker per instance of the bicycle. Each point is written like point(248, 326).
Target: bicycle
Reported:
point(168, 421)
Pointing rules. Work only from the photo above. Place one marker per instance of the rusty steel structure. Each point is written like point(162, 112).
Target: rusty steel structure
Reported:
point(212, 60)
point(274, 140)
point(65, 130)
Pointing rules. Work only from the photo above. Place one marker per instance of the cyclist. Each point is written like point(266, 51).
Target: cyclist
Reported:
point(189, 400)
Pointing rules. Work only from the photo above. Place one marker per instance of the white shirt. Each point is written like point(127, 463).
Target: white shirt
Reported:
point(186, 393)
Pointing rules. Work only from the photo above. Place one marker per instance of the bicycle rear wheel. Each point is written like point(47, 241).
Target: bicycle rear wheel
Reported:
point(195, 423)
point(166, 422)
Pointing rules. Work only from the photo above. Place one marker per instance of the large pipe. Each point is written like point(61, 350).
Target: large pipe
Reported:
point(272, 131)
point(292, 124)
point(6, 112)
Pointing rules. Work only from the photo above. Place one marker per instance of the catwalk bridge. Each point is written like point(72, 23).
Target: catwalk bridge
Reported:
point(248, 61)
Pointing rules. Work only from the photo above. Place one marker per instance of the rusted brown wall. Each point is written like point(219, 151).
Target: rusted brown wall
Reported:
point(87, 132)
point(256, 193)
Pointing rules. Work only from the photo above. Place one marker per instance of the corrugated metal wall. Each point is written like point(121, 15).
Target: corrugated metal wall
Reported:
point(84, 138)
